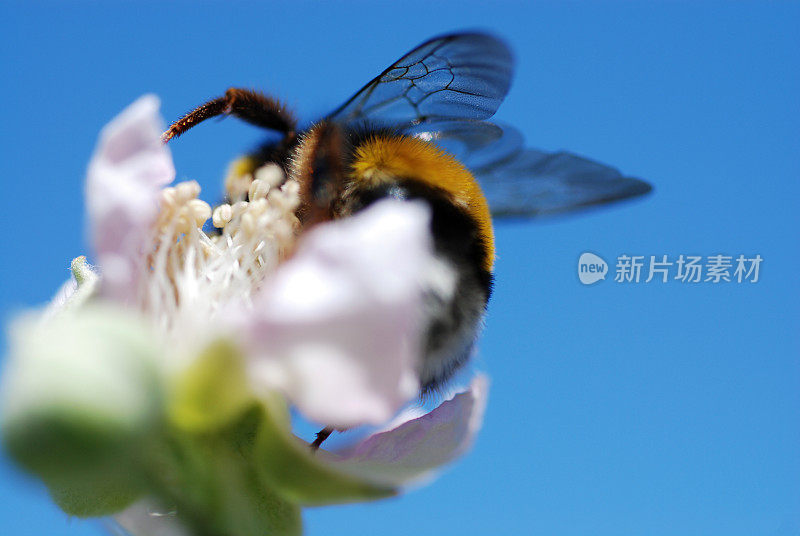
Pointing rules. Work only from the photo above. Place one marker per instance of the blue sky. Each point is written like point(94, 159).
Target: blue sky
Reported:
point(615, 408)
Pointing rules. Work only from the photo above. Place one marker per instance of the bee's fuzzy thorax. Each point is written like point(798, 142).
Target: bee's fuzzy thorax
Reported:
point(380, 158)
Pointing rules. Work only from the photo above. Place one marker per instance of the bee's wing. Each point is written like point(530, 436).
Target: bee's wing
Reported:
point(476, 144)
point(457, 76)
point(521, 182)
point(538, 183)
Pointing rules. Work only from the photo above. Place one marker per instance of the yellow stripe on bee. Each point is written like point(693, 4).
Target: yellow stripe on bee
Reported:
point(383, 158)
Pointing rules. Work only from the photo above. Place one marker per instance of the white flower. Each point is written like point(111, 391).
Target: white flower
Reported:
point(331, 318)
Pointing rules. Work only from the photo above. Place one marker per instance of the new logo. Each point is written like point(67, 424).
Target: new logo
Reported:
point(591, 268)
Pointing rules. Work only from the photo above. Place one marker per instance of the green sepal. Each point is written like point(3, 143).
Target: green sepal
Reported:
point(83, 497)
point(206, 465)
point(210, 479)
point(299, 474)
point(81, 402)
point(212, 392)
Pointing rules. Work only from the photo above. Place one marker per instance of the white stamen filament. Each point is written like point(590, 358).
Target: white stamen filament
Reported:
point(191, 274)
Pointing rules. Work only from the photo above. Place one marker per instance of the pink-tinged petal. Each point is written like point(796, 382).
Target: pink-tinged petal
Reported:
point(128, 169)
point(338, 327)
point(145, 518)
point(61, 297)
point(413, 450)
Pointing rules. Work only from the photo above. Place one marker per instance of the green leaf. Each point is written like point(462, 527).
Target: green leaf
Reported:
point(299, 474)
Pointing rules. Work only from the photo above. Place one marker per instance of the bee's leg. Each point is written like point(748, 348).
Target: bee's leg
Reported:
point(322, 435)
point(246, 104)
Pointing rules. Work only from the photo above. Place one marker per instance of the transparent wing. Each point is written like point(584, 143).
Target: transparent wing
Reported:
point(536, 183)
point(458, 76)
point(443, 89)
point(521, 182)
point(476, 144)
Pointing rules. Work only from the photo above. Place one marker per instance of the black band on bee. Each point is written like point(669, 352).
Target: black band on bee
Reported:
point(455, 234)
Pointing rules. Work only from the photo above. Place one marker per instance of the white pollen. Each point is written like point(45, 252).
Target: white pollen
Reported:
point(222, 215)
point(258, 190)
point(271, 174)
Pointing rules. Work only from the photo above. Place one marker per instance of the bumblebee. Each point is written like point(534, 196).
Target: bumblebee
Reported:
point(419, 131)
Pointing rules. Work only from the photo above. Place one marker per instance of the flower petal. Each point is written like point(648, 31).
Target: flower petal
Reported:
point(147, 518)
point(376, 467)
point(129, 167)
point(338, 328)
point(410, 452)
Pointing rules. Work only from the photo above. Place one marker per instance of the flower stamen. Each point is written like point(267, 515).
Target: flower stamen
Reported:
point(192, 273)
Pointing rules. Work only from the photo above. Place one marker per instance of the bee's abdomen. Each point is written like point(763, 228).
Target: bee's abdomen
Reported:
point(386, 165)
point(453, 321)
